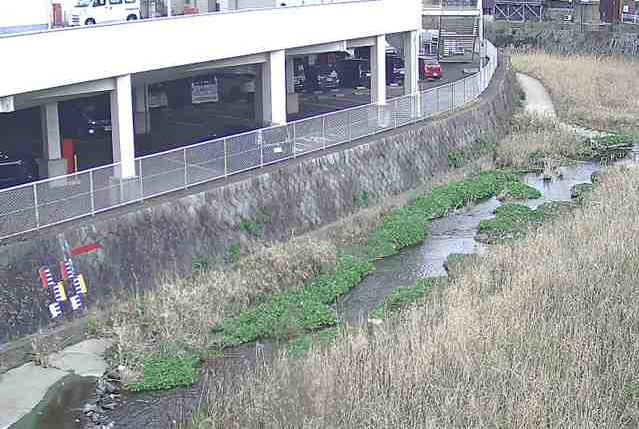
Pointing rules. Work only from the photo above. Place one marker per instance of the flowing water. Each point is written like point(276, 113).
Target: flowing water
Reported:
point(453, 234)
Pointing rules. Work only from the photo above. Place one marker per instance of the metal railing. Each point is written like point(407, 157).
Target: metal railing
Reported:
point(60, 199)
point(629, 18)
point(450, 4)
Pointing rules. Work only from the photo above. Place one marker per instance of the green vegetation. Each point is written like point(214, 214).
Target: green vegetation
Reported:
point(512, 220)
point(296, 311)
point(403, 297)
point(302, 345)
point(234, 252)
point(521, 191)
point(457, 158)
point(606, 148)
point(251, 227)
point(363, 199)
point(200, 264)
point(579, 190)
point(161, 373)
point(407, 226)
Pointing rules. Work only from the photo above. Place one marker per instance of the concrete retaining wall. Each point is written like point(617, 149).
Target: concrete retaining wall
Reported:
point(566, 39)
point(169, 234)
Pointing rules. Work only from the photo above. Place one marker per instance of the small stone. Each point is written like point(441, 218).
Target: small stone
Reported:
point(95, 418)
point(111, 425)
point(113, 375)
point(89, 408)
point(108, 405)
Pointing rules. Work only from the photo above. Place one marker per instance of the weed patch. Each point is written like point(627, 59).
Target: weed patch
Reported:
point(299, 347)
point(403, 297)
point(407, 226)
point(162, 373)
point(294, 312)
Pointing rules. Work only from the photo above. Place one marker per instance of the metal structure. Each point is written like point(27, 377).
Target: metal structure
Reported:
point(628, 18)
point(519, 10)
point(53, 201)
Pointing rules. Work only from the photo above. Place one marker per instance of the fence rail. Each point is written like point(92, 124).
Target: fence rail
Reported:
point(629, 18)
point(60, 199)
point(449, 4)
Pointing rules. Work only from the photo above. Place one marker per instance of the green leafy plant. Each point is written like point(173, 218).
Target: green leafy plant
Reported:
point(251, 227)
point(296, 311)
point(408, 225)
point(302, 345)
point(234, 252)
point(403, 297)
point(363, 199)
point(521, 191)
point(161, 373)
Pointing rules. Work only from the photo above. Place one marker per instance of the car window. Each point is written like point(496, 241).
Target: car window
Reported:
point(115, 1)
point(99, 3)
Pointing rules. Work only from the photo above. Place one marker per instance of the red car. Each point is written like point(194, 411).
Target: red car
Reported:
point(429, 68)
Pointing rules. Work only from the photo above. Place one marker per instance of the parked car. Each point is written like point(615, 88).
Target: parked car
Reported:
point(16, 169)
point(429, 68)
point(395, 70)
point(85, 117)
point(354, 72)
point(322, 77)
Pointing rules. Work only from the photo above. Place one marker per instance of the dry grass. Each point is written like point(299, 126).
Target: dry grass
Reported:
point(594, 92)
point(542, 333)
point(536, 143)
point(180, 314)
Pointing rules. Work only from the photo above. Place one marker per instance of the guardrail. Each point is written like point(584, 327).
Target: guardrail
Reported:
point(44, 203)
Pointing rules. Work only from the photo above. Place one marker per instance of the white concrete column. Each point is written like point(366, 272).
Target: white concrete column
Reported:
point(169, 6)
point(411, 62)
point(142, 120)
point(312, 59)
point(50, 131)
point(378, 70)
point(122, 134)
point(224, 5)
point(290, 76)
point(274, 88)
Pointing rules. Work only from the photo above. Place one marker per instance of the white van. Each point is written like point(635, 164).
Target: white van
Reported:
point(89, 12)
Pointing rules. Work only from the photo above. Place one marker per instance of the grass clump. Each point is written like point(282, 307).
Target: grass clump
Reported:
point(520, 191)
point(294, 312)
point(403, 297)
point(299, 347)
point(407, 226)
point(513, 220)
point(162, 373)
point(606, 148)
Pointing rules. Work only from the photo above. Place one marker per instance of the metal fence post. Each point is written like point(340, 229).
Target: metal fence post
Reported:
point(35, 205)
point(141, 183)
point(465, 98)
point(350, 126)
point(261, 143)
point(396, 111)
point(226, 162)
point(186, 170)
point(323, 132)
point(92, 192)
point(437, 93)
point(294, 149)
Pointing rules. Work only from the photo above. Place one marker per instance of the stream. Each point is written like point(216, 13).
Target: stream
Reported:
point(454, 234)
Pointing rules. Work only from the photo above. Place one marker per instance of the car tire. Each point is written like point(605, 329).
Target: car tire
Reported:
point(132, 17)
point(89, 21)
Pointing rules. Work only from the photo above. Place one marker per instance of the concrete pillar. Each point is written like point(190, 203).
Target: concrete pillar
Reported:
point(312, 59)
point(378, 70)
point(290, 76)
point(50, 131)
point(224, 5)
point(52, 164)
point(411, 62)
point(274, 89)
point(142, 120)
point(169, 8)
point(122, 134)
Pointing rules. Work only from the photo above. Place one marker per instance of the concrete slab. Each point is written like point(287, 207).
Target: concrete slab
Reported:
point(22, 388)
point(84, 359)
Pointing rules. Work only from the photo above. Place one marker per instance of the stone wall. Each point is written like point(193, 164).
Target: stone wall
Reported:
point(566, 39)
point(140, 244)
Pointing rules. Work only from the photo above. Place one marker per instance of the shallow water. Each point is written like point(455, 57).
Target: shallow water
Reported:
point(453, 234)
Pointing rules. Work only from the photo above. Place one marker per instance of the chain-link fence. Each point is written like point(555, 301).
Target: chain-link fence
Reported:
point(52, 201)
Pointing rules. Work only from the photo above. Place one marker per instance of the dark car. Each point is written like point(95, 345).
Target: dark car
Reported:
point(85, 117)
point(16, 169)
point(322, 77)
point(354, 73)
point(394, 69)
